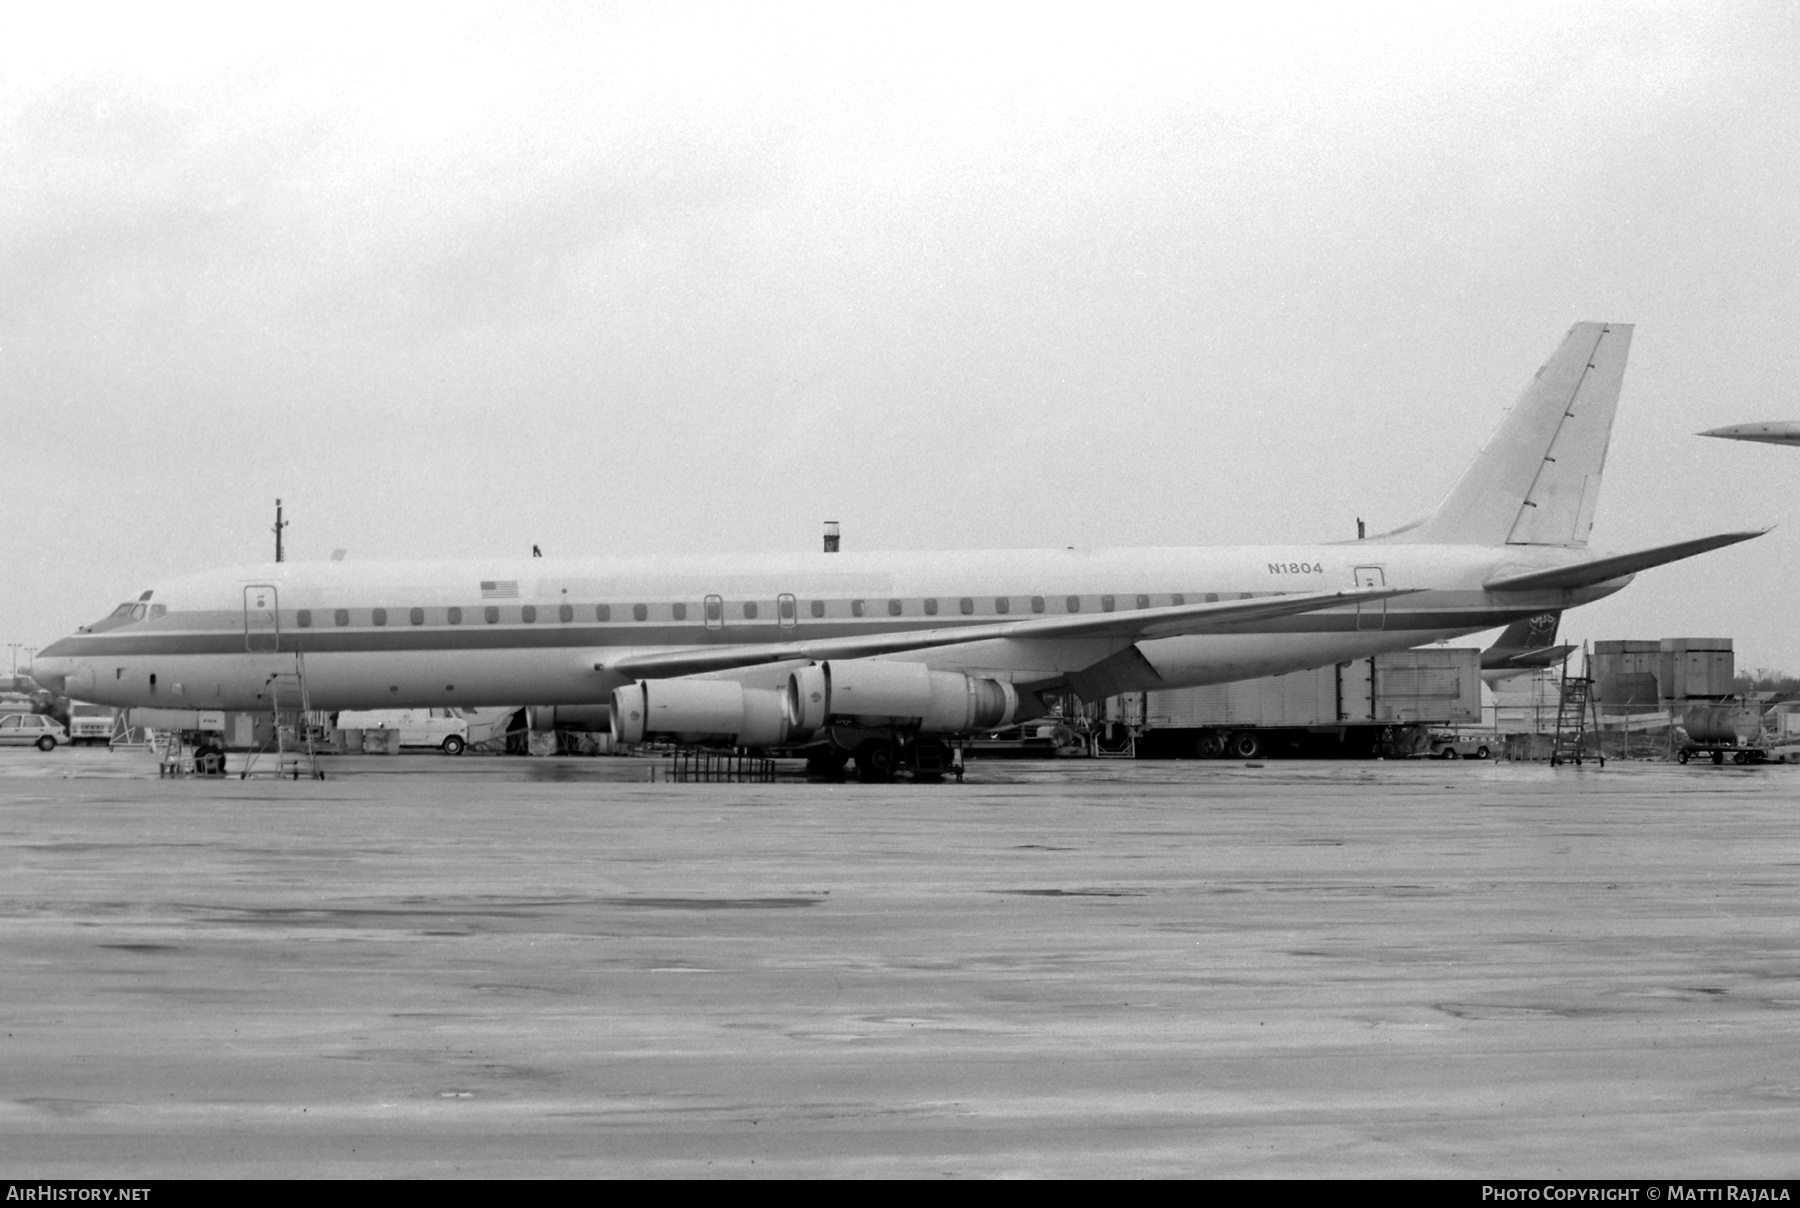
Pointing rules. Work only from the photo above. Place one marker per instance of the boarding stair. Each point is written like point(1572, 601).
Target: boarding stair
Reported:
point(293, 750)
point(1575, 708)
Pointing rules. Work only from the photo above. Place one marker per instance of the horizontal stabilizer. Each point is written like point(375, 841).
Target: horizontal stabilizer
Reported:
point(1600, 570)
point(1134, 625)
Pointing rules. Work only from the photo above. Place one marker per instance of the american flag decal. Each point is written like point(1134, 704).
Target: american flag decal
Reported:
point(499, 589)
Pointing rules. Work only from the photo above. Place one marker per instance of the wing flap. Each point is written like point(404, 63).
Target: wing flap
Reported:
point(1599, 570)
point(1133, 625)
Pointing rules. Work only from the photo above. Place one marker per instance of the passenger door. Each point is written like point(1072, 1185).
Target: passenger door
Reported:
point(262, 619)
point(1371, 614)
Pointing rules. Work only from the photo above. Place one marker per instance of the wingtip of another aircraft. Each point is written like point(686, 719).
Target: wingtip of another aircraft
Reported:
point(1774, 432)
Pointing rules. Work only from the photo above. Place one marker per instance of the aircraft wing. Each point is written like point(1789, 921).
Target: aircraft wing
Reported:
point(1599, 570)
point(1132, 625)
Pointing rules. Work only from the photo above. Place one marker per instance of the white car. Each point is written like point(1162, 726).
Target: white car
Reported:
point(31, 730)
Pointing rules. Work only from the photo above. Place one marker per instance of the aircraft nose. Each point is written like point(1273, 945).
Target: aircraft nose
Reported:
point(50, 674)
point(50, 670)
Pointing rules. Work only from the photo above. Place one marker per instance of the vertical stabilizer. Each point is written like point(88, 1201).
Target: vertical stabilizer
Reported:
point(1525, 637)
point(1537, 479)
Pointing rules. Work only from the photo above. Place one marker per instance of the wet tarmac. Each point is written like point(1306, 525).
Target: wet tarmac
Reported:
point(545, 967)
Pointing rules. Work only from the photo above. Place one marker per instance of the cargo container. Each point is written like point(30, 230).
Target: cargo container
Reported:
point(1373, 706)
point(1638, 676)
point(1691, 668)
point(1626, 674)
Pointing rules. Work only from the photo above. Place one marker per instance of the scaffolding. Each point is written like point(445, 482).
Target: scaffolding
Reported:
point(715, 767)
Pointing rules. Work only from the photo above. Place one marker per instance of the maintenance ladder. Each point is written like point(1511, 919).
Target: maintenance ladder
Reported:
point(1574, 706)
point(287, 696)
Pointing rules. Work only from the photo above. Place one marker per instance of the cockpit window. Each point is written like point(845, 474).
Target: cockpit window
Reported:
point(125, 614)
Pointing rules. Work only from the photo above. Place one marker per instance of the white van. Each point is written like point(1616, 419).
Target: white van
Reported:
point(445, 729)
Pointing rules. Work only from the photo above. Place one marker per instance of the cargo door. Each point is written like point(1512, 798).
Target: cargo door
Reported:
point(1371, 614)
point(262, 619)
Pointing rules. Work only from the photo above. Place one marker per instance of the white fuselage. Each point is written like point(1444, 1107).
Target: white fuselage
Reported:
point(388, 635)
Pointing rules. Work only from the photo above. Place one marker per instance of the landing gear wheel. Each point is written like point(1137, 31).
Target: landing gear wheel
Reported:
point(827, 761)
point(875, 762)
point(209, 761)
point(453, 744)
point(1246, 746)
point(46, 743)
point(930, 759)
point(1114, 738)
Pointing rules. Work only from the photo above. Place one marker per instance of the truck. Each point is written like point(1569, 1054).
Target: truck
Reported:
point(91, 724)
point(1724, 727)
point(1395, 705)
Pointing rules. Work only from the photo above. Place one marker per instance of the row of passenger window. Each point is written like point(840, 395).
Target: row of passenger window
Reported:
point(785, 607)
point(454, 616)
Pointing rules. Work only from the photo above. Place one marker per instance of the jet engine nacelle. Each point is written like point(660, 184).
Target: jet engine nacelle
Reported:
point(693, 710)
point(940, 702)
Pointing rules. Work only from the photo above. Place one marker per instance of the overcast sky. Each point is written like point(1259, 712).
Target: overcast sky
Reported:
point(458, 279)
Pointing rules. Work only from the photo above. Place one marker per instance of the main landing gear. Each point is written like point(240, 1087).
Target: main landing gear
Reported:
point(827, 762)
point(877, 760)
point(881, 757)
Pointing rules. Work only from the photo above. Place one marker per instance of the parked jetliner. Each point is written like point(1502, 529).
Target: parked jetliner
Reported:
point(869, 654)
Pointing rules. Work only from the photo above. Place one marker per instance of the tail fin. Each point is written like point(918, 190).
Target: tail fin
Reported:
point(1524, 646)
point(1537, 479)
point(1533, 633)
